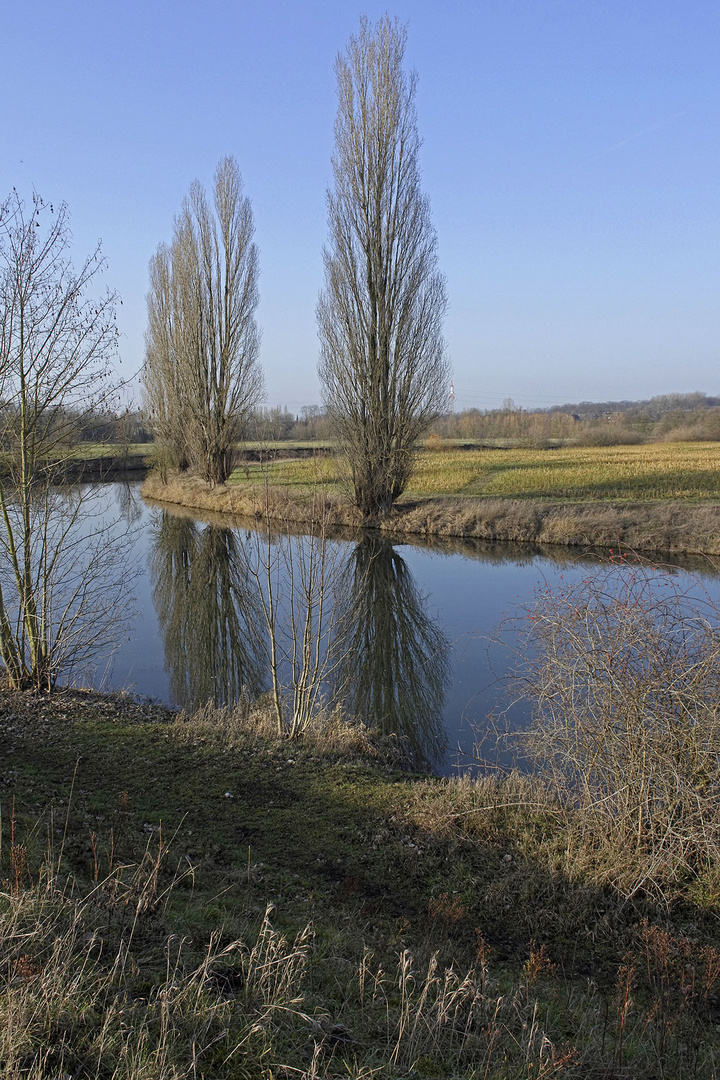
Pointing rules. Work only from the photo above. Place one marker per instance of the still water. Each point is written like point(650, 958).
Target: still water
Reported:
point(420, 654)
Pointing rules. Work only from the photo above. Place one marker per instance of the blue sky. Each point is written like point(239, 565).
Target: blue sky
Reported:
point(571, 156)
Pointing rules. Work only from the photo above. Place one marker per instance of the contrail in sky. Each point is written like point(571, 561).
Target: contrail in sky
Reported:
point(639, 134)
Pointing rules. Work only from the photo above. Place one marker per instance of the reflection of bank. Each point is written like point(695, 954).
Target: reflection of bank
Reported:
point(203, 601)
point(395, 668)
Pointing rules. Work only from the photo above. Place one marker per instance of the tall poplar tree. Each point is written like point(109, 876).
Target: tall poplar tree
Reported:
point(382, 363)
point(201, 375)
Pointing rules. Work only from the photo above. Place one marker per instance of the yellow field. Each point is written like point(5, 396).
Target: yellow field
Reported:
point(656, 471)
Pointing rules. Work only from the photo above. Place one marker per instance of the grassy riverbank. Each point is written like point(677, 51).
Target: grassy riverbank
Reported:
point(418, 927)
point(663, 497)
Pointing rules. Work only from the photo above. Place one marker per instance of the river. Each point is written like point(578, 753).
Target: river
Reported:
point(429, 634)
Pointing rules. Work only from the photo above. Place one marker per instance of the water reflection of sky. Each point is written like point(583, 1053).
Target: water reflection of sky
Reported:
point(426, 617)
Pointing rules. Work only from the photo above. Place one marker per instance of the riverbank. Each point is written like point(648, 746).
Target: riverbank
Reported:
point(668, 526)
point(416, 926)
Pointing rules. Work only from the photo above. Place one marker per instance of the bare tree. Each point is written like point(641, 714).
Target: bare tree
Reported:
point(162, 389)
point(201, 374)
point(58, 585)
point(382, 361)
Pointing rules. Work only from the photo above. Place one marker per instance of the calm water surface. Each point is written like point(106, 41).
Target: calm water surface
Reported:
point(417, 624)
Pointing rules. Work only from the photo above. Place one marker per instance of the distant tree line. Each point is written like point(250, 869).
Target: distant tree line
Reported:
point(668, 417)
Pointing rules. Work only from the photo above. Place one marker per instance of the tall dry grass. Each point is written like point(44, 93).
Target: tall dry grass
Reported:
point(329, 732)
point(90, 988)
point(669, 527)
point(254, 501)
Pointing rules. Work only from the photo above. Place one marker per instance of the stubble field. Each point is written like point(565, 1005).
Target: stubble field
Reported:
point(688, 471)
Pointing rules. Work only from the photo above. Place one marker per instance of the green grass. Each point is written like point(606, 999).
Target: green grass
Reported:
point(389, 870)
point(689, 471)
point(88, 451)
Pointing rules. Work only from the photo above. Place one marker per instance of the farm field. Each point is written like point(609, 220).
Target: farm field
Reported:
point(656, 471)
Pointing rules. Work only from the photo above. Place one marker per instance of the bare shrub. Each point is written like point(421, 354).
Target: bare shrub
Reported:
point(703, 428)
point(623, 677)
point(435, 443)
point(610, 435)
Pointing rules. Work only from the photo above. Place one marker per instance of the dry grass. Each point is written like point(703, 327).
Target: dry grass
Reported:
point(654, 471)
point(254, 500)
point(463, 939)
point(329, 733)
point(90, 989)
point(668, 527)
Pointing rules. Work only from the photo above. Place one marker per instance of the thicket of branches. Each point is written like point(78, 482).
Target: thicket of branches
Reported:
point(623, 677)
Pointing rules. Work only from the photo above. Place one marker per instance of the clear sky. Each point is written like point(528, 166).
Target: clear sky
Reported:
point(571, 155)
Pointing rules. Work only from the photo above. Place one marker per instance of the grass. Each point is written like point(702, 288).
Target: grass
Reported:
point(655, 471)
point(87, 451)
point(297, 474)
point(418, 927)
point(650, 472)
point(659, 471)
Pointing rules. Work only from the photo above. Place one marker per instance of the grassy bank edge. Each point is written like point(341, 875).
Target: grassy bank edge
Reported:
point(670, 527)
point(409, 868)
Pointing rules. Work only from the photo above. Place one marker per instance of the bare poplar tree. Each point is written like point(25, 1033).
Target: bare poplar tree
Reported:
point(201, 373)
point(61, 570)
point(162, 389)
point(382, 360)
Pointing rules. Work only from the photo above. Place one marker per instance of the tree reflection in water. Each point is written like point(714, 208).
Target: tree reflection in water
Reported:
point(396, 665)
point(204, 606)
point(393, 661)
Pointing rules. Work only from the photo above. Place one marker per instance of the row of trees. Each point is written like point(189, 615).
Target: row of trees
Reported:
point(382, 364)
point(634, 424)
